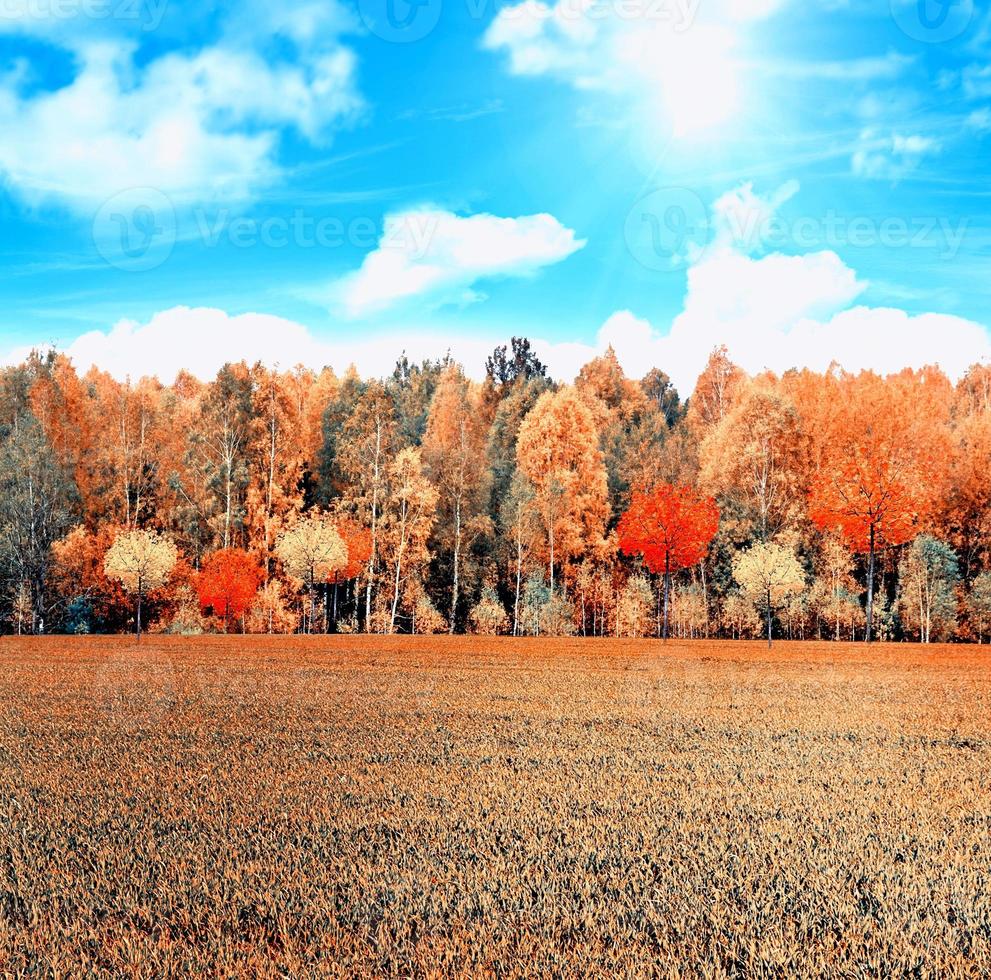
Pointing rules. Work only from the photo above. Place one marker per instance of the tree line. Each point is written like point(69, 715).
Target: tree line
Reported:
point(811, 505)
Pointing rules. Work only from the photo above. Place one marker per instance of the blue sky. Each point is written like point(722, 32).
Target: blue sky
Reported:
point(180, 183)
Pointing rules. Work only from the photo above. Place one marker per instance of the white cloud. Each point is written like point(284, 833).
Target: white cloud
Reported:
point(777, 312)
point(676, 59)
point(773, 312)
point(201, 340)
point(891, 156)
point(439, 256)
point(190, 123)
point(862, 338)
point(977, 81)
point(888, 67)
point(740, 215)
point(685, 67)
point(980, 120)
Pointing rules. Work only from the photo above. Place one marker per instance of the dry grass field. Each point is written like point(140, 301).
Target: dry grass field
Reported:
point(455, 807)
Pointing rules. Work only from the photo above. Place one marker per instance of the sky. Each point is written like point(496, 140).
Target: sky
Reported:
point(320, 181)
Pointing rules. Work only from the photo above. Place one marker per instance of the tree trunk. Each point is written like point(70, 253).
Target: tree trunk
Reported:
point(519, 583)
point(769, 638)
point(140, 590)
point(667, 595)
point(375, 498)
point(457, 563)
point(552, 556)
point(399, 569)
point(870, 588)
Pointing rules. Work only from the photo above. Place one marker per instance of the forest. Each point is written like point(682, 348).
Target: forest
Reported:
point(826, 506)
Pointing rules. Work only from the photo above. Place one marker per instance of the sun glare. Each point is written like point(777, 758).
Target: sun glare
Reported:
point(695, 75)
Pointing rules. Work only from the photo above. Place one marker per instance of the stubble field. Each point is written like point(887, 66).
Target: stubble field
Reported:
point(465, 807)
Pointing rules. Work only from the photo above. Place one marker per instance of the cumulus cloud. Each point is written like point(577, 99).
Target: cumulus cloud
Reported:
point(441, 256)
point(776, 312)
point(189, 122)
point(773, 312)
point(202, 339)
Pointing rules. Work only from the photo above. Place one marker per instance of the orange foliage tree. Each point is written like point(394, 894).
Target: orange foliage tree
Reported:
point(875, 482)
point(358, 541)
point(228, 583)
point(558, 452)
point(671, 527)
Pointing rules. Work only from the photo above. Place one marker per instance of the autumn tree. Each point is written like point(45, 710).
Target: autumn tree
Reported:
point(358, 541)
point(635, 608)
point(453, 448)
point(276, 460)
point(78, 576)
point(874, 484)
point(312, 551)
point(964, 516)
point(185, 495)
point(979, 605)
point(714, 393)
point(928, 575)
point(411, 387)
point(63, 407)
point(125, 455)
point(520, 529)
point(558, 452)
point(221, 442)
point(769, 574)
point(37, 503)
point(755, 453)
point(365, 446)
point(625, 420)
point(228, 583)
point(834, 593)
point(488, 616)
point(662, 396)
point(670, 527)
point(142, 561)
point(409, 521)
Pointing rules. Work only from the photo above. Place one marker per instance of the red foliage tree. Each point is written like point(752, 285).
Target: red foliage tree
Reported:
point(228, 583)
point(671, 527)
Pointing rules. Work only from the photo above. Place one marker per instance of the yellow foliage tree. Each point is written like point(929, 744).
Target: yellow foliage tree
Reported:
point(141, 561)
point(769, 574)
point(312, 551)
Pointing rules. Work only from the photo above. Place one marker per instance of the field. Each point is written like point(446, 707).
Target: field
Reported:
point(453, 807)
